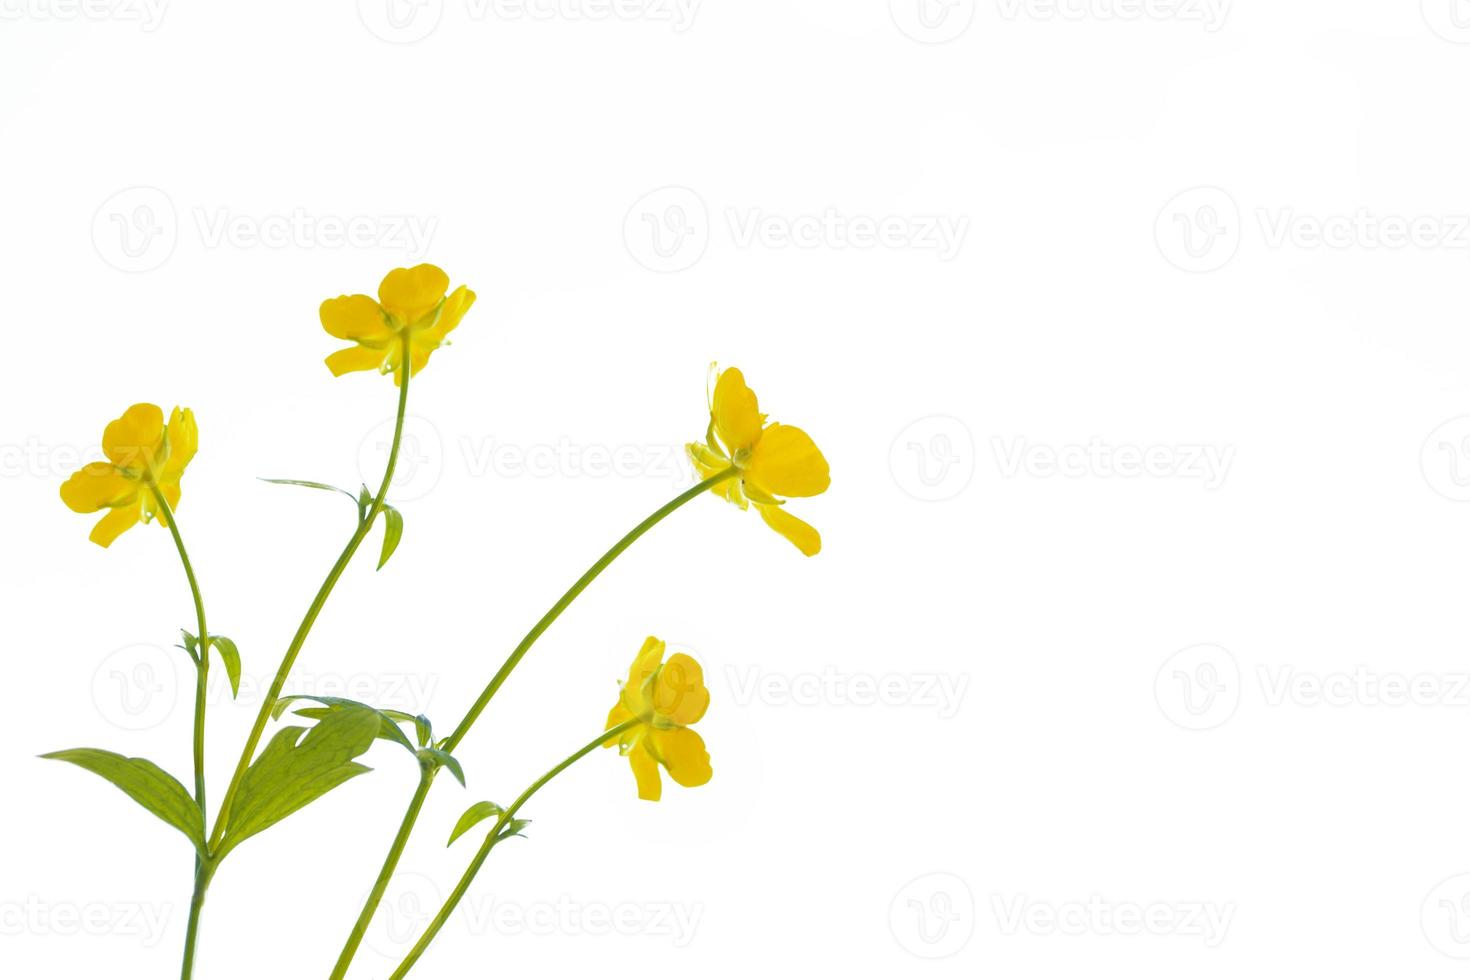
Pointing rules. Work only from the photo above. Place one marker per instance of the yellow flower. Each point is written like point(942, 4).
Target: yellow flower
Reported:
point(774, 460)
point(664, 699)
point(409, 300)
point(144, 457)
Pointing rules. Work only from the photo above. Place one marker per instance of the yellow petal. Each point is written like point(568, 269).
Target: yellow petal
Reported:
point(645, 770)
point(683, 754)
point(135, 440)
point(355, 359)
point(171, 493)
point(356, 317)
point(787, 463)
point(644, 664)
point(616, 717)
point(793, 529)
point(456, 304)
point(418, 357)
point(410, 293)
point(757, 496)
point(736, 413)
point(679, 693)
point(118, 520)
point(650, 655)
point(183, 443)
point(95, 486)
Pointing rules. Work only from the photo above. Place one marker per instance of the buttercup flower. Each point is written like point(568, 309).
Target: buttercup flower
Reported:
point(664, 698)
point(409, 300)
point(144, 457)
point(774, 460)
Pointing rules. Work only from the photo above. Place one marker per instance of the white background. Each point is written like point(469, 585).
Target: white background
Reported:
point(1158, 464)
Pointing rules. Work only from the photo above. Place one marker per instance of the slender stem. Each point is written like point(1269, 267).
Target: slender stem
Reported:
point(566, 600)
point(282, 672)
point(203, 871)
point(202, 664)
point(203, 868)
point(449, 744)
point(390, 863)
point(491, 840)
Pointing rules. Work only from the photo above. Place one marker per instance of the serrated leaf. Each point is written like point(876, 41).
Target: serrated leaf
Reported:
point(388, 731)
point(483, 810)
point(230, 654)
point(392, 532)
point(159, 793)
point(294, 771)
point(440, 757)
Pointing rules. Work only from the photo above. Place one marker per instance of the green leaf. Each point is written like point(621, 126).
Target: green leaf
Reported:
point(310, 483)
point(191, 645)
point(230, 654)
point(422, 728)
point(392, 532)
point(361, 510)
point(294, 771)
point(388, 731)
point(480, 811)
point(442, 758)
point(157, 791)
point(513, 829)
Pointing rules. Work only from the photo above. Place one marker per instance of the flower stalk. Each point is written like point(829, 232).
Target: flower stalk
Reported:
point(203, 869)
point(493, 838)
point(313, 611)
point(395, 850)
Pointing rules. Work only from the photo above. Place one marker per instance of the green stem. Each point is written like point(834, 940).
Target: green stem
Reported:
point(204, 870)
point(491, 840)
point(202, 664)
point(274, 694)
point(390, 863)
point(449, 744)
point(571, 594)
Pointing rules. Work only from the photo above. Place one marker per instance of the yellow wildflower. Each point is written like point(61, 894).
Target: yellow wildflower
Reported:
point(774, 460)
point(664, 699)
point(144, 457)
point(409, 300)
